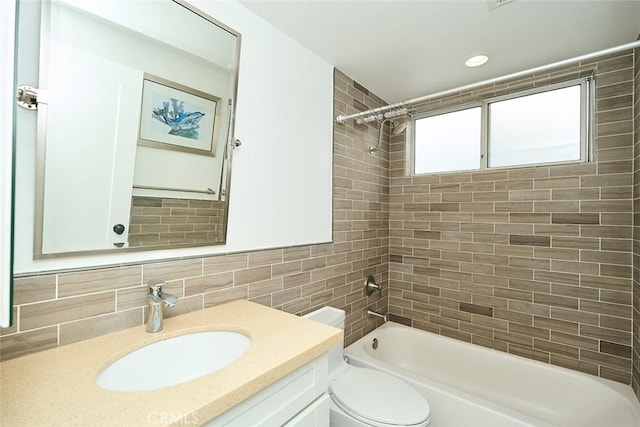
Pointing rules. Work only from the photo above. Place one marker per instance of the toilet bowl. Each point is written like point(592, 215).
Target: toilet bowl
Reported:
point(366, 397)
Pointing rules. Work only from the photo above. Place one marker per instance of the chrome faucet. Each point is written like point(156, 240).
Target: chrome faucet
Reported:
point(156, 300)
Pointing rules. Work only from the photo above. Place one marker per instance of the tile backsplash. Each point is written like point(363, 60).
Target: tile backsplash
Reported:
point(164, 221)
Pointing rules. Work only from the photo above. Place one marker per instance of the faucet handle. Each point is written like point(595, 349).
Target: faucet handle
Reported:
point(170, 300)
point(155, 287)
point(370, 286)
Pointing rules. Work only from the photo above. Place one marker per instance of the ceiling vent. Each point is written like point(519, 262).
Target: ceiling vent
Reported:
point(494, 4)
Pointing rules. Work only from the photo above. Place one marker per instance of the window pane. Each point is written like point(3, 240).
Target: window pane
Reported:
point(448, 142)
point(539, 128)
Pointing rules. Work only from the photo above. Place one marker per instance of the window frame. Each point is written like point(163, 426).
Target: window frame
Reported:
point(440, 112)
point(587, 100)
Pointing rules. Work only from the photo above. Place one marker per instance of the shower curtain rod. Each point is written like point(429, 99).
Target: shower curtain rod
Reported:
point(380, 110)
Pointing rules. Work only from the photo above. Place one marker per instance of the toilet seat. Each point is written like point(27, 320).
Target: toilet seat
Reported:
point(379, 399)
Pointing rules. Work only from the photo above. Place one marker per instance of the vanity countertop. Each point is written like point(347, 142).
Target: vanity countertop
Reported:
point(56, 387)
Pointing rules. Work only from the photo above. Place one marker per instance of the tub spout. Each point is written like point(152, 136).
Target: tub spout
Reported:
point(374, 313)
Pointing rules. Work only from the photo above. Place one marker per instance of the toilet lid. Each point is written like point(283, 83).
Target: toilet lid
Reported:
point(379, 397)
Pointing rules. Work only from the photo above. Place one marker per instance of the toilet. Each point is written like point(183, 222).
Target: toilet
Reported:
point(367, 397)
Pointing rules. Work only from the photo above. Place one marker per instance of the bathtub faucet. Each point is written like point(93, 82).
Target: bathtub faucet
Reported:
point(374, 313)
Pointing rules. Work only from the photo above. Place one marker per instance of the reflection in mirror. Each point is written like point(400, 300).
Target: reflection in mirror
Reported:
point(134, 131)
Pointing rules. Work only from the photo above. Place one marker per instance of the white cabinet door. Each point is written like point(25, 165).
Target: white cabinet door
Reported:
point(282, 401)
point(314, 415)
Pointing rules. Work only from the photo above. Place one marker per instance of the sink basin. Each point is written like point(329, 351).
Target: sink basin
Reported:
point(173, 361)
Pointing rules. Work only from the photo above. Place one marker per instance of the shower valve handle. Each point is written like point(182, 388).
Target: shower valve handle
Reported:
point(370, 286)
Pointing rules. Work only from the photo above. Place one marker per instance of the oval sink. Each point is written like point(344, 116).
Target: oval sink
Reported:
point(173, 361)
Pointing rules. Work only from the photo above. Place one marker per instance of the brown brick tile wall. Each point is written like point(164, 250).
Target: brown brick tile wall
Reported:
point(160, 221)
point(534, 261)
point(61, 308)
point(636, 226)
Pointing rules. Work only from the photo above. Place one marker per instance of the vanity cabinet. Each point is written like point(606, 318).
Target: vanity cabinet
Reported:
point(314, 415)
point(281, 380)
point(299, 399)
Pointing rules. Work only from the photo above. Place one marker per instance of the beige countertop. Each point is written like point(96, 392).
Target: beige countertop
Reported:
point(56, 387)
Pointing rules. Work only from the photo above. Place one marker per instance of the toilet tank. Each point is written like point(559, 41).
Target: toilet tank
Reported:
point(329, 316)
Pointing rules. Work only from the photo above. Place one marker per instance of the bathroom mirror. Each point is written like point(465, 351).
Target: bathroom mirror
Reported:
point(136, 105)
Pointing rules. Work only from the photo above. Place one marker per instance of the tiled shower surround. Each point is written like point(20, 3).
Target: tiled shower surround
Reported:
point(535, 261)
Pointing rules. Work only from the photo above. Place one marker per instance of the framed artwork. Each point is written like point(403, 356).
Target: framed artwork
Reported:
point(177, 117)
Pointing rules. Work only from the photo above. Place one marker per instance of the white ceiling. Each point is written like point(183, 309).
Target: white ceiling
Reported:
point(404, 49)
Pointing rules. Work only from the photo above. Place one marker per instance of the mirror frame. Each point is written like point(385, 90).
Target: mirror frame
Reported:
point(41, 146)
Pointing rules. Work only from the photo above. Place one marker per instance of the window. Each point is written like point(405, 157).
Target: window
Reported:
point(448, 142)
point(542, 126)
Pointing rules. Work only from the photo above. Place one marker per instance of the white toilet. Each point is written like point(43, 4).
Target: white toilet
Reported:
point(366, 397)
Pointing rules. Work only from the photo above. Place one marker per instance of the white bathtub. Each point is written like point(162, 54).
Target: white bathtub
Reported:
point(469, 385)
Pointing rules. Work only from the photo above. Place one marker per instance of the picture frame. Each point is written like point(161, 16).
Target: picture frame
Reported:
point(179, 118)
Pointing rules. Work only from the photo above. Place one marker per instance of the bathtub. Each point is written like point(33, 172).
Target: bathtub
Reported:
point(470, 385)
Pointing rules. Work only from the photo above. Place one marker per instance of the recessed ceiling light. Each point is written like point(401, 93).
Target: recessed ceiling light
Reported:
point(476, 60)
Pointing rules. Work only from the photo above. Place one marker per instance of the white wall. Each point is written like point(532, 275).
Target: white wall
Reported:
point(281, 185)
point(94, 32)
point(7, 40)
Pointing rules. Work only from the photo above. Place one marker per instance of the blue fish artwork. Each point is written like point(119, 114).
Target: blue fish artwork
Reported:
point(182, 123)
